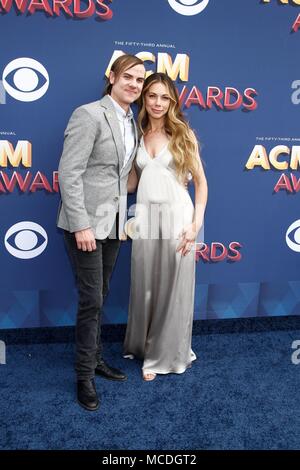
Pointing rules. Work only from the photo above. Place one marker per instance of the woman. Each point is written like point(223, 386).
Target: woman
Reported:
point(164, 231)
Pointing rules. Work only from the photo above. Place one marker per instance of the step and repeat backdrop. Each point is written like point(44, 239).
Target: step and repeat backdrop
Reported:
point(236, 66)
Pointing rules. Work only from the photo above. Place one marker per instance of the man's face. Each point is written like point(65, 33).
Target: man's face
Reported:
point(127, 87)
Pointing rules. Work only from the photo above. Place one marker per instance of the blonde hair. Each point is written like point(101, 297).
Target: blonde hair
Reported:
point(120, 65)
point(183, 143)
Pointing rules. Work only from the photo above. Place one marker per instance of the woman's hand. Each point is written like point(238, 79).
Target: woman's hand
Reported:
point(188, 237)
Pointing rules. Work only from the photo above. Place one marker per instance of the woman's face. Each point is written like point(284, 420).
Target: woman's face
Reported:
point(157, 100)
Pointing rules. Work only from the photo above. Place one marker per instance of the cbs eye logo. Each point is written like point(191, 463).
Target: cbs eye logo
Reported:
point(25, 74)
point(188, 7)
point(26, 240)
point(292, 236)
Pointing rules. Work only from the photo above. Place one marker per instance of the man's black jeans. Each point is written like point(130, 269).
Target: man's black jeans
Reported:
point(93, 270)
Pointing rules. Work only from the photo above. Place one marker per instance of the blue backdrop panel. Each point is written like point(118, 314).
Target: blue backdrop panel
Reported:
point(239, 82)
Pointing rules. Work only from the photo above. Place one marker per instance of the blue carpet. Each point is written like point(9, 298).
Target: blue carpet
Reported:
point(241, 393)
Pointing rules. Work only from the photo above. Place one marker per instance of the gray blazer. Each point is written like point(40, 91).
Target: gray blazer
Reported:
point(92, 183)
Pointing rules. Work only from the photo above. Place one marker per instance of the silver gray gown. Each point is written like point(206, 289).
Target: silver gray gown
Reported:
point(161, 305)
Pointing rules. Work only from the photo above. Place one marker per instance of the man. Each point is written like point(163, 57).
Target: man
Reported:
point(99, 148)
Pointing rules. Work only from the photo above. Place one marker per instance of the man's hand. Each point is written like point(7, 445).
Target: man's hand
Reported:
point(85, 240)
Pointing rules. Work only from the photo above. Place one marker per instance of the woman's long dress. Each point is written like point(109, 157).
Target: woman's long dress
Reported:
point(161, 303)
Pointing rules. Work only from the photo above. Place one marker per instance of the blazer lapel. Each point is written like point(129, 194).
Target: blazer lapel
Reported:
point(135, 144)
point(113, 122)
point(136, 137)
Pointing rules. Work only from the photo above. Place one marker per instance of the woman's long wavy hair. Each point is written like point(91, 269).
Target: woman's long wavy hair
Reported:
point(183, 143)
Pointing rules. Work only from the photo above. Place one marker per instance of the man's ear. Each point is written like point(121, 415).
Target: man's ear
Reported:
point(112, 77)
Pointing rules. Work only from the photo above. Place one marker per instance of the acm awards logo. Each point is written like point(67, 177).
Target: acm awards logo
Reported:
point(216, 252)
point(279, 158)
point(21, 155)
point(71, 8)
point(188, 7)
point(26, 79)
point(294, 3)
point(228, 99)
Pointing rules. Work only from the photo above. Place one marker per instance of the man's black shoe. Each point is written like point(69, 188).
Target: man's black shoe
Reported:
point(86, 394)
point(109, 372)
